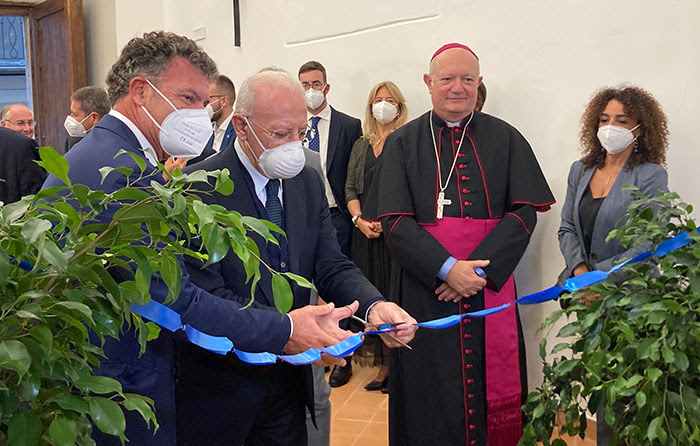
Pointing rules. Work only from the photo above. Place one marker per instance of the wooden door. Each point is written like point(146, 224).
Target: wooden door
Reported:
point(58, 65)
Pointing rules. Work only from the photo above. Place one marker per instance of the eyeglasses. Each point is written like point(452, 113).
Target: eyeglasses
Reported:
point(30, 123)
point(316, 85)
point(281, 135)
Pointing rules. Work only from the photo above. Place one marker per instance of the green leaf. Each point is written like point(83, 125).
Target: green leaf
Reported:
point(538, 411)
point(646, 347)
point(99, 384)
point(131, 193)
point(561, 346)
point(143, 406)
point(27, 315)
point(653, 373)
point(24, 429)
point(203, 212)
point(171, 273)
point(300, 280)
point(54, 255)
point(62, 431)
point(681, 360)
point(224, 185)
point(44, 335)
point(77, 306)
point(142, 212)
point(34, 227)
point(68, 401)
point(54, 163)
point(14, 356)
point(566, 366)
point(667, 354)
point(282, 293)
point(13, 211)
point(654, 427)
point(641, 399)
point(29, 388)
point(107, 416)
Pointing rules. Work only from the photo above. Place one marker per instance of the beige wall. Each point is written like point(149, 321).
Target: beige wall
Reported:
point(540, 59)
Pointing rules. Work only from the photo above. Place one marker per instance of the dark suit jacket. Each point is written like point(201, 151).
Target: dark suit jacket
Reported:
point(19, 174)
point(313, 253)
point(343, 133)
point(208, 151)
point(70, 142)
point(152, 374)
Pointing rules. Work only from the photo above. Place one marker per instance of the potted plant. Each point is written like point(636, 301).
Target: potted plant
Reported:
point(636, 351)
point(56, 287)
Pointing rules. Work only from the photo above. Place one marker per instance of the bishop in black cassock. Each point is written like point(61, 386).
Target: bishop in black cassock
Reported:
point(463, 385)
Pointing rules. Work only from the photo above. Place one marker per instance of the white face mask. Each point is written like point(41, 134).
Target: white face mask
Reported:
point(74, 127)
point(384, 112)
point(282, 162)
point(314, 98)
point(614, 138)
point(184, 132)
point(210, 110)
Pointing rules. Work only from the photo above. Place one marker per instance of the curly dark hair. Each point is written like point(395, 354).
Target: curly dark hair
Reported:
point(149, 56)
point(640, 105)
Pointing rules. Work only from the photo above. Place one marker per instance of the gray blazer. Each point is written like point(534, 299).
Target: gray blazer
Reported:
point(648, 177)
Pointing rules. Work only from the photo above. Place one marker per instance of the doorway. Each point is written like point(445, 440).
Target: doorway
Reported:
point(53, 45)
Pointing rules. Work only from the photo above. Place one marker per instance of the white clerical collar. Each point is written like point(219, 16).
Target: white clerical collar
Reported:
point(453, 124)
point(259, 180)
point(323, 114)
point(145, 145)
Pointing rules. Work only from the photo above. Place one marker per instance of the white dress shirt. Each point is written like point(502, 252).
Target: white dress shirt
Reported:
point(324, 126)
point(219, 133)
point(145, 145)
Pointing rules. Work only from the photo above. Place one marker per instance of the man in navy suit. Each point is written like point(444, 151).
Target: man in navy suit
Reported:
point(162, 75)
point(220, 399)
point(332, 134)
point(222, 96)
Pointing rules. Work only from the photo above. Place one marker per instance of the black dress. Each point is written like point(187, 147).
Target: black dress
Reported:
point(374, 260)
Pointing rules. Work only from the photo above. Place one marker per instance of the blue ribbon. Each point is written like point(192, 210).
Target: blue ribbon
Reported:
point(170, 320)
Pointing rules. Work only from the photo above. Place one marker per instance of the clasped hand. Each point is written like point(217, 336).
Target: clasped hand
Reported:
point(462, 281)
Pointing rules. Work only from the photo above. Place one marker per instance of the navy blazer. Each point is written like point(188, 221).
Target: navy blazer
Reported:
point(153, 373)
point(313, 253)
point(648, 177)
point(208, 151)
point(342, 134)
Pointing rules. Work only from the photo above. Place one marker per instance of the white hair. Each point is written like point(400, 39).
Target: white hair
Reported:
point(265, 78)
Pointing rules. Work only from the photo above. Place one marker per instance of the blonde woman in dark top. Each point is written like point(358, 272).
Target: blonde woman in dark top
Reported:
point(385, 112)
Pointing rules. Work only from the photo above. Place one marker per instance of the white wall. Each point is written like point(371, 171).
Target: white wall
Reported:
point(540, 59)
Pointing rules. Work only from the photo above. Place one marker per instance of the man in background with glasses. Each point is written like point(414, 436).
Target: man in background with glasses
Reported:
point(18, 117)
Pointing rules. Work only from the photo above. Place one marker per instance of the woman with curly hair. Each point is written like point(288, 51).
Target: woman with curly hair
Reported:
point(624, 138)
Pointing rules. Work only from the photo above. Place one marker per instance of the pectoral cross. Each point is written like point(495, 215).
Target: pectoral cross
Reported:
point(441, 203)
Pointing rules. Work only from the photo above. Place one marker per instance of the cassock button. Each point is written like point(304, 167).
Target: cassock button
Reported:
point(466, 306)
point(464, 177)
point(466, 203)
point(472, 427)
point(472, 443)
point(467, 336)
point(457, 129)
point(456, 141)
point(468, 351)
point(470, 381)
point(471, 411)
point(470, 396)
point(460, 155)
point(469, 366)
point(462, 166)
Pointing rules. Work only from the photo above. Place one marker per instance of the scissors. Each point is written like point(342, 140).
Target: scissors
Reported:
point(383, 328)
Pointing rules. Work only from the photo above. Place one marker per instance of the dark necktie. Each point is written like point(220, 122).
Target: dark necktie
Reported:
point(312, 134)
point(273, 206)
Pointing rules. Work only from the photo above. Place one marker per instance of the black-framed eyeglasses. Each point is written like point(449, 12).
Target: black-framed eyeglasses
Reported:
point(280, 135)
point(316, 85)
point(30, 123)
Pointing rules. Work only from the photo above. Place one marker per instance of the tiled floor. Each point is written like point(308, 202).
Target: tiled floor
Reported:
point(359, 417)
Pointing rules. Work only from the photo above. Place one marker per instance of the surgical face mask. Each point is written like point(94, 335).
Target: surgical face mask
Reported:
point(74, 127)
point(282, 162)
point(384, 112)
point(210, 110)
point(614, 138)
point(314, 98)
point(184, 132)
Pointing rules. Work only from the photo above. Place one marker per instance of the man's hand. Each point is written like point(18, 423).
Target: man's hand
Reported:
point(387, 312)
point(464, 280)
point(448, 294)
point(581, 268)
point(316, 326)
point(172, 163)
point(367, 228)
point(328, 360)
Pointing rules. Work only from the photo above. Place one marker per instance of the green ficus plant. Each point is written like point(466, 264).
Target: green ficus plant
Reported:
point(56, 287)
point(636, 351)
